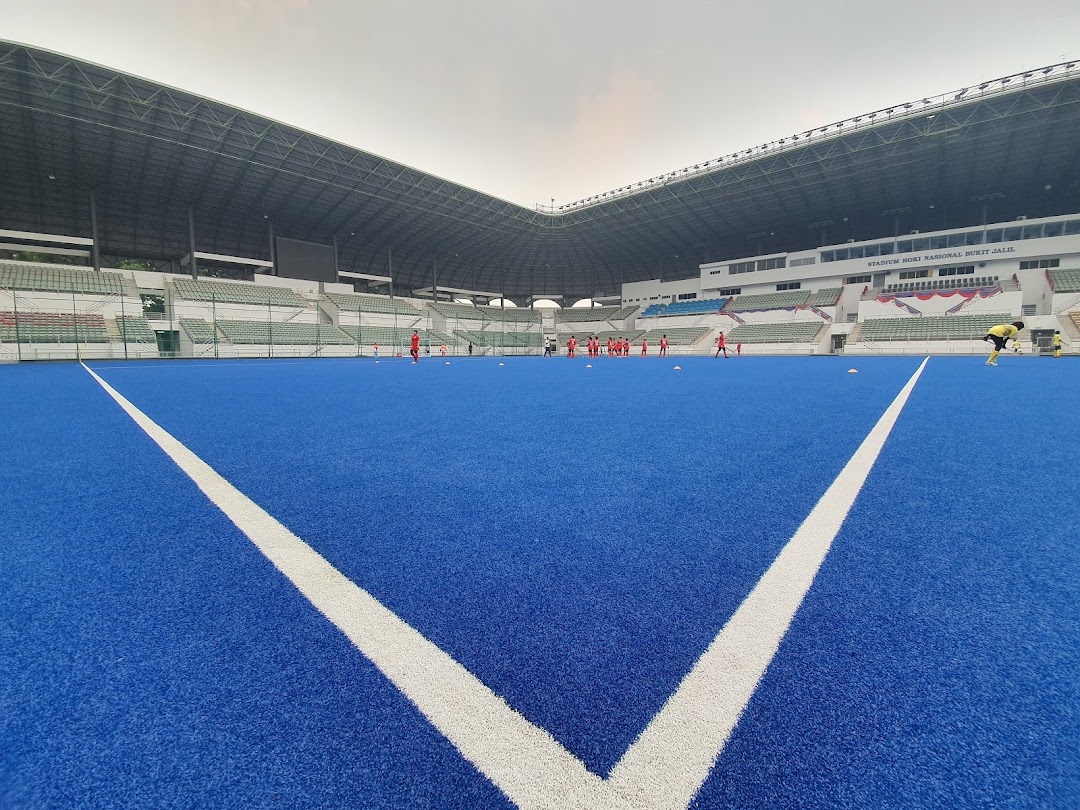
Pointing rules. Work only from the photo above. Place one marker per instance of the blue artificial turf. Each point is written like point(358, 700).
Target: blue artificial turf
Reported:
point(150, 656)
point(573, 536)
point(935, 660)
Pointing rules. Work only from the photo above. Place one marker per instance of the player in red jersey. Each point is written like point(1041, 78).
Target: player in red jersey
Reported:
point(571, 344)
point(610, 347)
point(644, 347)
point(414, 346)
point(721, 345)
point(663, 346)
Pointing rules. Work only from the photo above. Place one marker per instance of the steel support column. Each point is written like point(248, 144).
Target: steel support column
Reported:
point(193, 265)
point(273, 253)
point(95, 253)
point(390, 268)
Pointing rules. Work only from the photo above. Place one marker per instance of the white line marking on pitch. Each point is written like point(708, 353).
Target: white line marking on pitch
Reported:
point(668, 763)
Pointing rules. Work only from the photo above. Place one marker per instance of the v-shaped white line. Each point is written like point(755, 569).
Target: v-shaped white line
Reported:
point(669, 761)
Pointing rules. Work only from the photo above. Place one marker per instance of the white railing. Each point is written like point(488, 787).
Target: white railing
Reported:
point(1070, 303)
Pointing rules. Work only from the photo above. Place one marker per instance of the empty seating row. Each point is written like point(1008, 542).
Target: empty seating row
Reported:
point(528, 340)
point(929, 327)
point(478, 338)
point(135, 329)
point(50, 327)
point(283, 333)
point(219, 291)
point(508, 340)
point(949, 283)
point(198, 330)
point(59, 279)
point(677, 336)
point(827, 297)
point(789, 332)
point(700, 307)
point(1063, 279)
point(779, 300)
point(579, 314)
point(396, 336)
point(348, 302)
point(458, 311)
point(652, 310)
point(434, 336)
point(516, 314)
point(501, 338)
point(367, 335)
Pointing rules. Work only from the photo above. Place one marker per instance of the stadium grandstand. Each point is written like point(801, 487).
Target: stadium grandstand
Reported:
point(403, 577)
point(154, 205)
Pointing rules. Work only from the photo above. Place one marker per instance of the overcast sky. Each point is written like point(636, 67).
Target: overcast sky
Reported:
point(534, 99)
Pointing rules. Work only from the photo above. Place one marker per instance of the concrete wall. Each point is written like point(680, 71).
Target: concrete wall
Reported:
point(1007, 302)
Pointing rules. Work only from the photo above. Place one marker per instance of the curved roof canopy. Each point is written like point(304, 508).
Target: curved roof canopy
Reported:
point(1003, 148)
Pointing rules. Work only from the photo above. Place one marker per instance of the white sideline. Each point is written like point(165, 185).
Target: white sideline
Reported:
point(668, 763)
point(670, 760)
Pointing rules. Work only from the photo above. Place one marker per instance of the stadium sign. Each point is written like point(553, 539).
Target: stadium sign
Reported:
point(948, 255)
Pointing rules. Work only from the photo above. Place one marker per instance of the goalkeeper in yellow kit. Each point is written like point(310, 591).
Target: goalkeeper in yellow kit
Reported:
point(1000, 335)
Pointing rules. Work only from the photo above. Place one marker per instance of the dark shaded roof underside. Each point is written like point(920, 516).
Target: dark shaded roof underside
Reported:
point(150, 151)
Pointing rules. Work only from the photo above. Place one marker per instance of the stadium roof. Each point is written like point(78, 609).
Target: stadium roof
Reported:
point(1007, 147)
